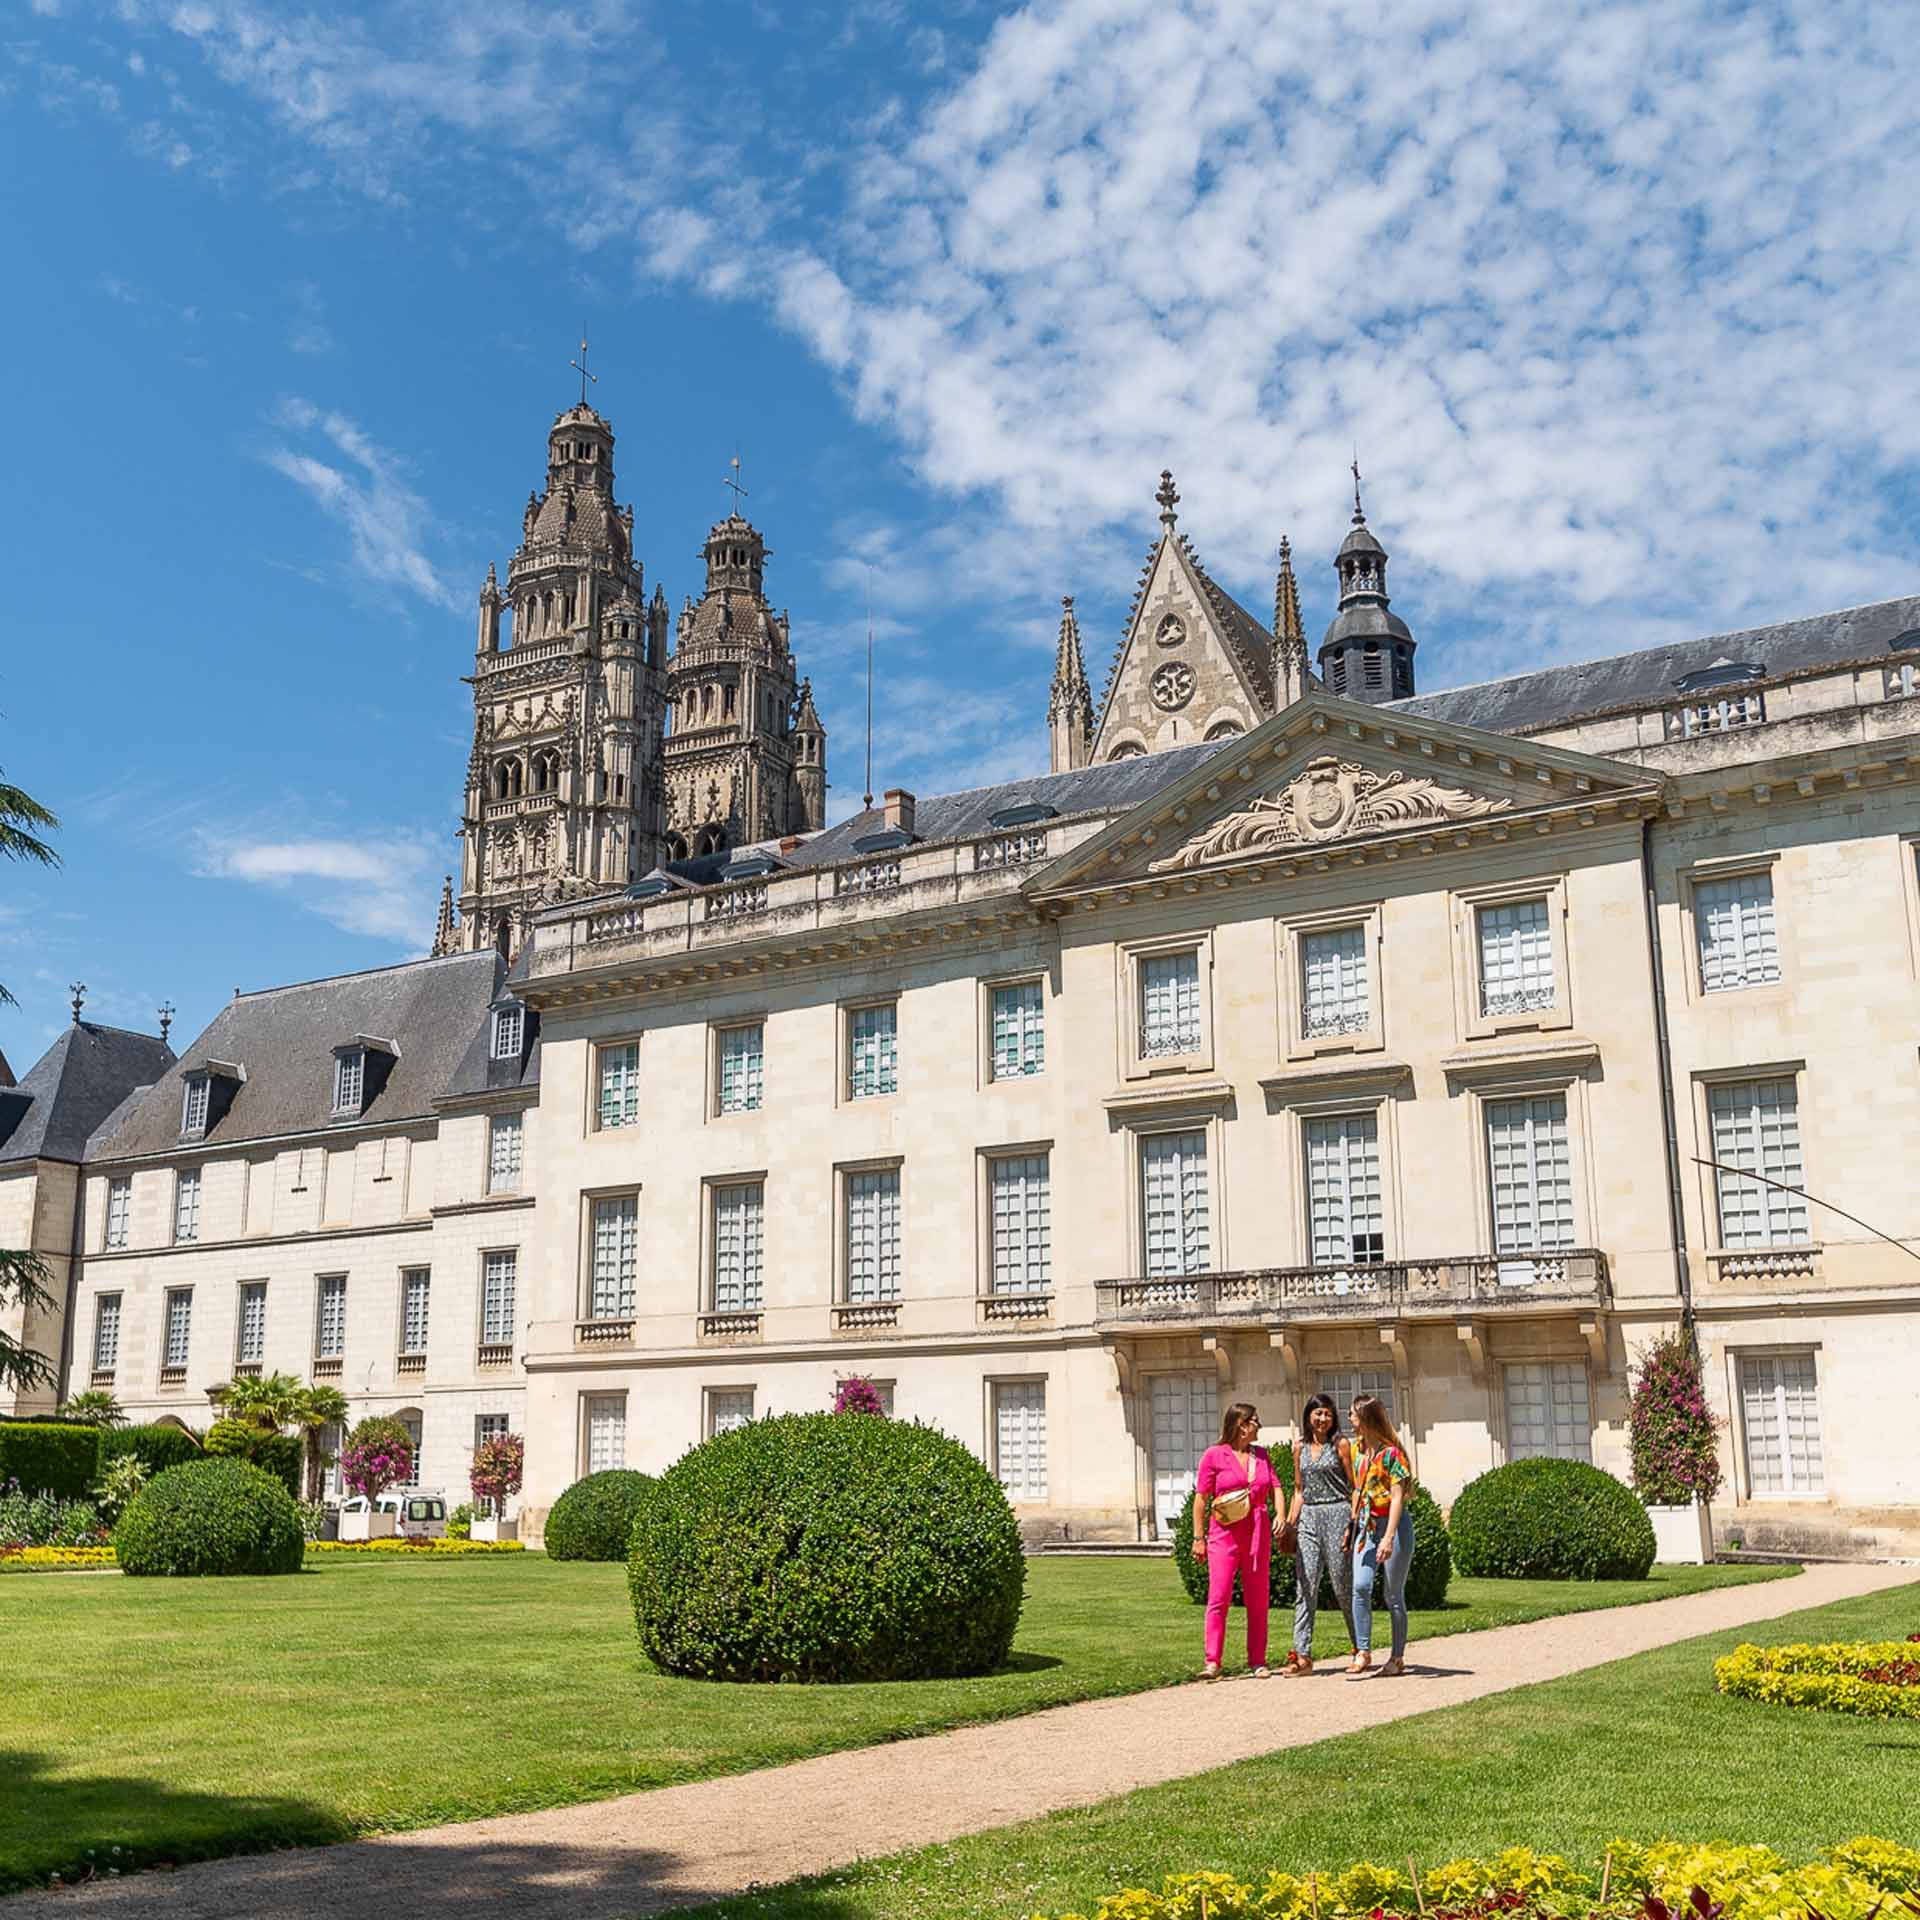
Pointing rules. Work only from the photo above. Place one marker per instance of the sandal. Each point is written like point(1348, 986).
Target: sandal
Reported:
point(1393, 1669)
point(1363, 1669)
point(1210, 1671)
point(1262, 1673)
point(1297, 1664)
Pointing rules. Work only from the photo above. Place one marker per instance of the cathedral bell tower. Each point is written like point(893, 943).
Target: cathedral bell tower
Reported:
point(563, 783)
point(1367, 652)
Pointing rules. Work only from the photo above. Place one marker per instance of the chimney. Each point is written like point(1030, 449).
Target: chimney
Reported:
point(899, 805)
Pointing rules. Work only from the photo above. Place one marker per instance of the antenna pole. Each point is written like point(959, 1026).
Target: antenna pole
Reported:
point(868, 804)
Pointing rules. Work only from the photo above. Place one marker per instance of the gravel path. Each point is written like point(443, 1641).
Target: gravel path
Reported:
point(677, 1846)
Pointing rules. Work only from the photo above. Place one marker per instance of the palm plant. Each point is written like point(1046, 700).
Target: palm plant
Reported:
point(319, 1408)
point(273, 1400)
point(96, 1406)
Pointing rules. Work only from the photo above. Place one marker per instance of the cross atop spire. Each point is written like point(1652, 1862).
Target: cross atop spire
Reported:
point(580, 367)
point(732, 482)
point(1168, 499)
point(1359, 516)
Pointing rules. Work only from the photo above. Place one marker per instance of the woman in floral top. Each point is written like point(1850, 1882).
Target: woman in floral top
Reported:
point(1382, 1535)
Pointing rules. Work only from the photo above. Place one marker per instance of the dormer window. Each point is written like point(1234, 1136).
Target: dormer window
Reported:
point(349, 1079)
point(195, 1100)
point(509, 1031)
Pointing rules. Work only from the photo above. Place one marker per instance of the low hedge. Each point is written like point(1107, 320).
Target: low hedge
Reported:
point(156, 1447)
point(213, 1517)
point(50, 1456)
point(1550, 1520)
point(53, 1559)
point(1846, 1882)
point(1877, 1678)
point(398, 1549)
point(593, 1519)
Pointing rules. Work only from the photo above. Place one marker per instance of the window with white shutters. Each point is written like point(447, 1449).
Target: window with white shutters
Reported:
point(106, 1332)
point(119, 1211)
point(1169, 1004)
point(1173, 1185)
point(873, 1235)
point(509, 1028)
point(1780, 1418)
point(330, 1318)
point(177, 1337)
point(1334, 995)
point(1343, 1190)
point(1756, 1130)
point(743, 1068)
point(1733, 922)
point(620, 1085)
point(727, 1408)
point(1019, 1030)
point(250, 1348)
point(606, 1431)
point(416, 1292)
point(1529, 1164)
point(349, 1078)
point(1343, 1386)
point(739, 1235)
point(1516, 958)
point(616, 1253)
point(873, 1064)
point(498, 1275)
point(186, 1205)
point(1020, 1438)
point(505, 1135)
point(1021, 1208)
point(1548, 1413)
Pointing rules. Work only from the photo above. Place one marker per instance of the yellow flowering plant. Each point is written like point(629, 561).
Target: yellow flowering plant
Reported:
point(1878, 1678)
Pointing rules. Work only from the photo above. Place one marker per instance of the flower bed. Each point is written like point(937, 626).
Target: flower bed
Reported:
point(53, 1559)
point(1880, 1678)
point(1658, 1882)
point(397, 1546)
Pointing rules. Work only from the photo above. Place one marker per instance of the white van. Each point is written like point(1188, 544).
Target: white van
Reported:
point(420, 1513)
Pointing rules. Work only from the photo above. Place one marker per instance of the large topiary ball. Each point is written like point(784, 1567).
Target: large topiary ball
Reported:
point(1551, 1520)
point(1432, 1553)
point(212, 1516)
point(593, 1519)
point(815, 1547)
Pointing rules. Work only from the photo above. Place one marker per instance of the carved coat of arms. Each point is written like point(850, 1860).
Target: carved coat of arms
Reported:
point(1331, 800)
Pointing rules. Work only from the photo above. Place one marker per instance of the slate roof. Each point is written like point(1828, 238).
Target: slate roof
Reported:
point(1247, 636)
point(1529, 702)
point(1110, 787)
point(87, 1073)
point(478, 1071)
point(594, 522)
point(430, 1010)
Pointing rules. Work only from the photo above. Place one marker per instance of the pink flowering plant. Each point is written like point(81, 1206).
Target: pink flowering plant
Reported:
point(1676, 1458)
point(370, 1466)
point(498, 1464)
point(857, 1394)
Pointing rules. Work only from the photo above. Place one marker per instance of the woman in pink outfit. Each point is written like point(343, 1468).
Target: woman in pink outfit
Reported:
point(1233, 1529)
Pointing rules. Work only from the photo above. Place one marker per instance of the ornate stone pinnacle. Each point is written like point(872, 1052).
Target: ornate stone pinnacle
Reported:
point(1168, 500)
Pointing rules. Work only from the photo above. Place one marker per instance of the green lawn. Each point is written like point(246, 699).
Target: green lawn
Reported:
point(189, 1718)
point(1639, 1749)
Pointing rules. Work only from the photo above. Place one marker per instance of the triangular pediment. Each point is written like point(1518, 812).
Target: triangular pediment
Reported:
point(1332, 774)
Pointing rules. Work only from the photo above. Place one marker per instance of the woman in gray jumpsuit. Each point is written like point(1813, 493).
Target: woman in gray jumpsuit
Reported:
point(1322, 1505)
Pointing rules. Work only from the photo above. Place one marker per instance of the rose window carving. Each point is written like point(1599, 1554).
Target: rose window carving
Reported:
point(1172, 685)
point(1171, 631)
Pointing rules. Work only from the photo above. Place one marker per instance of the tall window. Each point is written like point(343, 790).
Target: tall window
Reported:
point(106, 1332)
point(1333, 982)
point(1345, 1385)
point(498, 1273)
point(873, 1235)
point(606, 1431)
point(250, 1349)
point(1530, 1168)
point(739, 1232)
point(1020, 1207)
point(620, 1085)
point(491, 1426)
point(186, 1205)
point(743, 1068)
point(509, 1029)
point(1733, 921)
point(1019, 1031)
point(727, 1408)
point(1516, 958)
point(505, 1133)
point(1756, 1130)
point(330, 1320)
point(1020, 1437)
point(416, 1293)
point(177, 1338)
point(1173, 1169)
point(119, 1207)
point(1169, 1004)
point(1343, 1190)
point(616, 1252)
point(415, 1425)
point(195, 1098)
point(349, 1078)
point(873, 1061)
point(1780, 1417)
point(1548, 1415)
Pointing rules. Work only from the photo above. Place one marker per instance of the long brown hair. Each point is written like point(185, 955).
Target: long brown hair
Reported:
point(1230, 1421)
point(1374, 1425)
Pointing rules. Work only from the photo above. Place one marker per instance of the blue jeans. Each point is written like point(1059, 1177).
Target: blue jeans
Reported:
point(1392, 1584)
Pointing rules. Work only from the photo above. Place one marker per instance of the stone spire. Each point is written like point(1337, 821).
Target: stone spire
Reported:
point(809, 762)
point(1070, 702)
point(1367, 653)
point(1291, 677)
point(445, 933)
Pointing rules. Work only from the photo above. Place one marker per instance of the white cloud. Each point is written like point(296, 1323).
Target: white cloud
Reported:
point(388, 523)
point(381, 886)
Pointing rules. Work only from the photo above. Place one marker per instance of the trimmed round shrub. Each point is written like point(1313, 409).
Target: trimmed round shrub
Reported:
point(1550, 1520)
point(593, 1519)
point(213, 1517)
point(1432, 1553)
point(815, 1547)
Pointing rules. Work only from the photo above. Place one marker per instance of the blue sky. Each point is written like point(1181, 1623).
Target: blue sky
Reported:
point(1621, 318)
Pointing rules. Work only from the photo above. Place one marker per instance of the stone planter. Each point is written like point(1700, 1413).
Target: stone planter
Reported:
point(367, 1526)
point(494, 1530)
point(1682, 1536)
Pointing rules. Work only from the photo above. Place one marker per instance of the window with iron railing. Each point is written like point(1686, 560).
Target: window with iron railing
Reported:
point(1516, 958)
point(1334, 996)
point(1169, 1004)
point(1734, 925)
point(1019, 1030)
